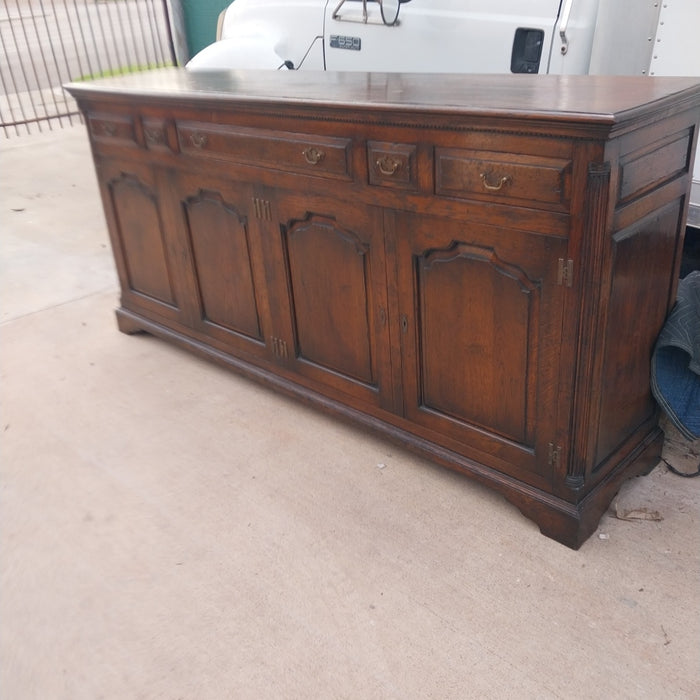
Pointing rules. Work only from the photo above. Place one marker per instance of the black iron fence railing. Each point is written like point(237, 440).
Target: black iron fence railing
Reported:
point(45, 43)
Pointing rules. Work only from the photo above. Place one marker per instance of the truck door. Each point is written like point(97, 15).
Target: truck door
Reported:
point(448, 36)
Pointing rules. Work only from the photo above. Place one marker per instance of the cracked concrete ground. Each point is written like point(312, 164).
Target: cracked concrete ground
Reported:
point(171, 530)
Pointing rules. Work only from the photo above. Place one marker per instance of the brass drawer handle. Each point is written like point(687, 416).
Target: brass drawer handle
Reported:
point(109, 129)
point(198, 140)
point(313, 155)
point(154, 135)
point(388, 166)
point(506, 179)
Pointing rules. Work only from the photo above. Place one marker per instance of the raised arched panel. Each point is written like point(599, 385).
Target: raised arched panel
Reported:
point(218, 237)
point(141, 235)
point(330, 280)
point(477, 354)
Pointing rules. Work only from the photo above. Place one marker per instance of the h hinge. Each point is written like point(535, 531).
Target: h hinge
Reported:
point(565, 272)
point(554, 455)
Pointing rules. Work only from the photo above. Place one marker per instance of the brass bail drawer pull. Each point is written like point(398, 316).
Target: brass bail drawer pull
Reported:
point(198, 140)
point(506, 179)
point(154, 135)
point(313, 155)
point(388, 165)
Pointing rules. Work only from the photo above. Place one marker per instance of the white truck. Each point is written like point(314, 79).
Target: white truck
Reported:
point(619, 37)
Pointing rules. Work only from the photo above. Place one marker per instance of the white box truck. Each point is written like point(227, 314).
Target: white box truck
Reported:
point(614, 37)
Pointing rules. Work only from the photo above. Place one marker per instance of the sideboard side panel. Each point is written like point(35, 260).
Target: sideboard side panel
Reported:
point(643, 256)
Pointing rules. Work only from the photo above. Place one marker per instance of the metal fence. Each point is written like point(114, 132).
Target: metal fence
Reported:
point(45, 43)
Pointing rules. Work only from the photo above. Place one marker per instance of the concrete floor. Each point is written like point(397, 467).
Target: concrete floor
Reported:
point(171, 530)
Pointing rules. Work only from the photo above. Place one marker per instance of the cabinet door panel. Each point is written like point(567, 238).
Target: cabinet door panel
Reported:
point(481, 322)
point(143, 251)
point(477, 320)
point(329, 277)
point(228, 300)
point(335, 298)
point(218, 234)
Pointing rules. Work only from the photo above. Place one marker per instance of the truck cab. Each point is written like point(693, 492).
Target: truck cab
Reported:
point(443, 36)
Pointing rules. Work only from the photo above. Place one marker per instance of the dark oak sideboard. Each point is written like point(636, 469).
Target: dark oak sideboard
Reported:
point(474, 266)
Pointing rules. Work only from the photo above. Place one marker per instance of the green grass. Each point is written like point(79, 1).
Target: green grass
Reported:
point(114, 72)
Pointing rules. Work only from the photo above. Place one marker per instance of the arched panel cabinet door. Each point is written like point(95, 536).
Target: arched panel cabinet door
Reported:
point(330, 296)
point(217, 231)
point(145, 255)
point(481, 314)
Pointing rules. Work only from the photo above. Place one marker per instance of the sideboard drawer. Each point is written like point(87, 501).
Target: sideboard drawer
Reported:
point(392, 165)
point(155, 134)
point(116, 128)
point(517, 179)
point(315, 155)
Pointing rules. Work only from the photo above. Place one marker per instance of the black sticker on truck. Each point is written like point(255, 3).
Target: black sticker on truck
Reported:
point(353, 43)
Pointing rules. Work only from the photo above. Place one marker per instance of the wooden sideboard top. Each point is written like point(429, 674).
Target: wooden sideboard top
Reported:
point(605, 100)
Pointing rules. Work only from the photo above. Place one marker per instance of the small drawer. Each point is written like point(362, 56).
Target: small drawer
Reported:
point(155, 134)
point(392, 165)
point(110, 127)
point(315, 155)
point(516, 179)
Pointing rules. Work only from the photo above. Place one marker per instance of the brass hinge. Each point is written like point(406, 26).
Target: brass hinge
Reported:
point(554, 455)
point(565, 272)
point(262, 208)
